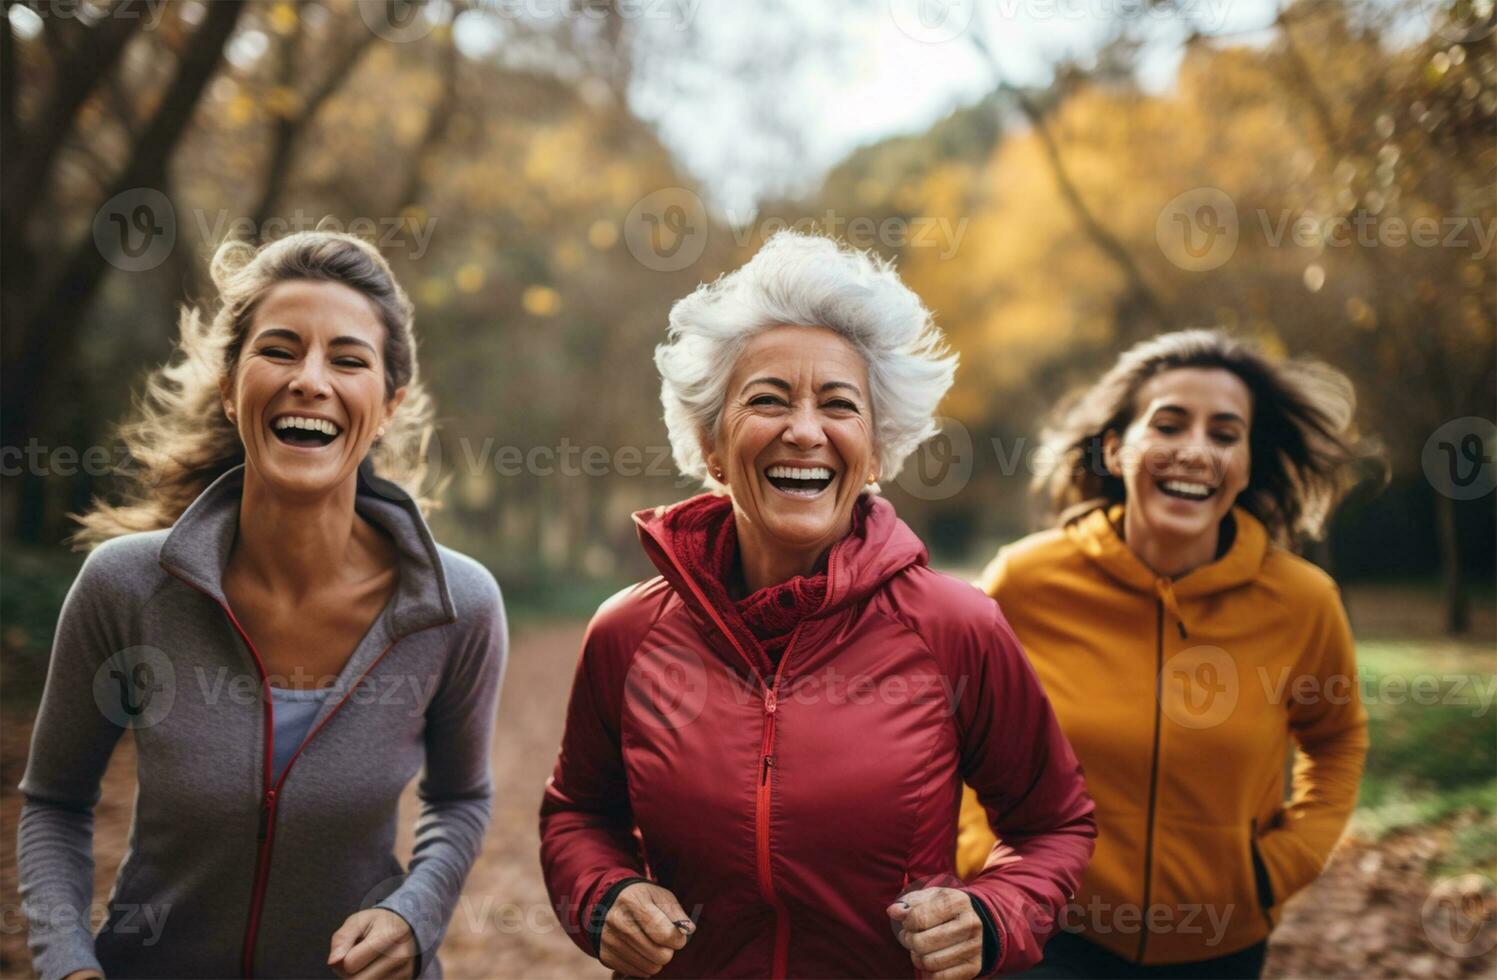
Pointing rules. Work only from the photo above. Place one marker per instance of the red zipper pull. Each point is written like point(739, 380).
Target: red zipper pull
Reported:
point(266, 805)
point(769, 702)
point(768, 765)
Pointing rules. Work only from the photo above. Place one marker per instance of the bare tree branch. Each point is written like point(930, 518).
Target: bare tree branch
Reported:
point(1330, 132)
point(52, 325)
point(1109, 244)
point(291, 125)
point(413, 187)
point(83, 68)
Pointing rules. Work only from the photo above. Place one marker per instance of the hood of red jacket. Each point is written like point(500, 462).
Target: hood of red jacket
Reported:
point(879, 547)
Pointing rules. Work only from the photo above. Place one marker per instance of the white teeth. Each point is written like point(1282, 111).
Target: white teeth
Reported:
point(303, 422)
point(799, 472)
point(1197, 490)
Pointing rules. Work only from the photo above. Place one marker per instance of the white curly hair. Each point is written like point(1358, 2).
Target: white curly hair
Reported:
point(805, 280)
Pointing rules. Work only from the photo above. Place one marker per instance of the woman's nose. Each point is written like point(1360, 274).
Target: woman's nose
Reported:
point(310, 380)
point(1198, 453)
point(804, 429)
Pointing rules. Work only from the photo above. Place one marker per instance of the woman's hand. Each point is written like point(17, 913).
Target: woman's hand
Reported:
point(942, 932)
point(374, 943)
point(644, 928)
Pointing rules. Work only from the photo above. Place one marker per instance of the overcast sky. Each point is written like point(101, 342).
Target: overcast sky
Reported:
point(860, 71)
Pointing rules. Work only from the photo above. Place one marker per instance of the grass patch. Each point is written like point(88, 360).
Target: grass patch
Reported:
point(1433, 729)
point(1473, 848)
point(33, 584)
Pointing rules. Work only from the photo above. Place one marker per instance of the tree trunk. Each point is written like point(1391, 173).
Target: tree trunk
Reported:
point(1457, 607)
point(53, 324)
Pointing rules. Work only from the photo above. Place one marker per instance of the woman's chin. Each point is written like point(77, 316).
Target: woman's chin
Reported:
point(304, 477)
point(1169, 521)
point(800, 531)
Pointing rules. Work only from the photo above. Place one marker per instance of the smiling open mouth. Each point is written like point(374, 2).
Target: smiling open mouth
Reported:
point(300, 430)
point(799, 481)
point(1186, 489)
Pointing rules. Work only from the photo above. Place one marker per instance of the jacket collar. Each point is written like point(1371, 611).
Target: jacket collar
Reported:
point(1096, 534)
point(880, 547)
point(858, 565)
point(198, 546)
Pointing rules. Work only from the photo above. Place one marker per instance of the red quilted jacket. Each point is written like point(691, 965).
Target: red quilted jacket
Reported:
point(786, 812)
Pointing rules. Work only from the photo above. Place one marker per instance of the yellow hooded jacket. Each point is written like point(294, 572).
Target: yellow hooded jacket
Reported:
point(1181, 698)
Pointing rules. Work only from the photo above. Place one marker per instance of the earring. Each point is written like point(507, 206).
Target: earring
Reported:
point(872, 479)
point(717, 475)
point(378, 433)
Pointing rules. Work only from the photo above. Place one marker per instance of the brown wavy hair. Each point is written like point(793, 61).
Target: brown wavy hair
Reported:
point(1302, 438)
point(177, 437)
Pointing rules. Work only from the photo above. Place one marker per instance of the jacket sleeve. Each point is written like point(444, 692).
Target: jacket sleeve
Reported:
point(1030, 785)
point(588, 845)
point(1330, 733)
point(71, 742)
point(457, 789)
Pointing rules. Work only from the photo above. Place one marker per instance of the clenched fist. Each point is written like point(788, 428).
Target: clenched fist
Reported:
point(644, 928)
point(374, 943)
point(942, 932)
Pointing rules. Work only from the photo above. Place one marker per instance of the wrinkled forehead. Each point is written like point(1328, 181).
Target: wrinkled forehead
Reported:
point(316, 310)
point(806, 358)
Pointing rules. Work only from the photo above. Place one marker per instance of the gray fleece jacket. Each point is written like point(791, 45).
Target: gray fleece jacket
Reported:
point(228, 874)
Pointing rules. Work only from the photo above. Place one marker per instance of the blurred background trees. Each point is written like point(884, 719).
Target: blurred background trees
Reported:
point(501, 161)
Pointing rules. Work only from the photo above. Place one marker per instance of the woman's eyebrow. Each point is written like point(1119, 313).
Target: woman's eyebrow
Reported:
point(285, 334)
point(280, 332)
point(1214, 417)
point(780, 383)
point(342, 341)
point(831, 385)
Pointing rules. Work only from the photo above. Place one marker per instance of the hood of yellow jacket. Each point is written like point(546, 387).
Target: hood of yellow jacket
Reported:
point(1097, 535)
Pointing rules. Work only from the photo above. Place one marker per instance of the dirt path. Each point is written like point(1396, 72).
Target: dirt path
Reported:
point(1362, 918)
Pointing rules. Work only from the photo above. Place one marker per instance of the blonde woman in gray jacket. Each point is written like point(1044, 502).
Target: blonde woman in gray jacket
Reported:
point(273, 620)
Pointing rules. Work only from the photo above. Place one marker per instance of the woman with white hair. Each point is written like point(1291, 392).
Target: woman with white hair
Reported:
point(765, 744)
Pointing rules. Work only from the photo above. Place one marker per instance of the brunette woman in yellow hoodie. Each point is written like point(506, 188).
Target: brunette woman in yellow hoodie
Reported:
point(1185, 649)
